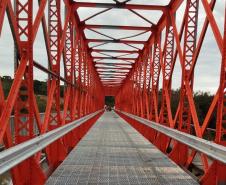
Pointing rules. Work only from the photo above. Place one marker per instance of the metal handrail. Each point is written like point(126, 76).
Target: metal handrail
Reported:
point(15, 155)
point(211, 149)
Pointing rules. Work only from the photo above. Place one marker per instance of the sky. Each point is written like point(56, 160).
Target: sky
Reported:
point(207, 71)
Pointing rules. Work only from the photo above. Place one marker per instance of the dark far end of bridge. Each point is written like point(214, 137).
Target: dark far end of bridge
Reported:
point(126, 49)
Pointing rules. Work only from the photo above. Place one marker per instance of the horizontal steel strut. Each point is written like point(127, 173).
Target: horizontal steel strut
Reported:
point(119, 5)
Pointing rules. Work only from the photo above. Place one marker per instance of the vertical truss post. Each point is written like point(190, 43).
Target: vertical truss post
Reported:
point(89, 84)
point(24, 111)
point(76, 106)
point(129, 88)
point(81, 77)
point(133, 90)
point(136, 97)
point(165, 116)
point(143, 84)
point(91, 90)
point(88, 102)
point(147, 80)
point(55, 152)
point(221, 110)
point(216, 172)
point(85, 82)
point(69, 96)
point(140, 88)
point(155, 71)
point(69, 70)
point(180, 152)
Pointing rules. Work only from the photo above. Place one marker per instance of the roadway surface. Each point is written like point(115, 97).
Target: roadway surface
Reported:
point(113, 153)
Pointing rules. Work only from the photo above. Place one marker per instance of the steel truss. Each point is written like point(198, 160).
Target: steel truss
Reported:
point(81, 84)
point(143, 86)
point(134, 81)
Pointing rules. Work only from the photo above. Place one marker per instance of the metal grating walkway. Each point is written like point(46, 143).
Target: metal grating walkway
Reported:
point(113, 153)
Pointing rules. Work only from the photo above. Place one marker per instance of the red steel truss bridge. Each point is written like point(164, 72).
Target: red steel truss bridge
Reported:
point(128, 49)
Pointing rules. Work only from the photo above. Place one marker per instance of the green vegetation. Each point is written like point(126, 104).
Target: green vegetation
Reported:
point(40, 87)
point(40, 90)
point(202, 100)
point(41, 101)
point(6, 84)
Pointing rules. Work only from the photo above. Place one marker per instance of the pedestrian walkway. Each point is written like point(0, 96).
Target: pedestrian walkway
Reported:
point(114, 153)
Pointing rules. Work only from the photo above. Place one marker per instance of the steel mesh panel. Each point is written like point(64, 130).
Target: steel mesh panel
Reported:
point(113, 152)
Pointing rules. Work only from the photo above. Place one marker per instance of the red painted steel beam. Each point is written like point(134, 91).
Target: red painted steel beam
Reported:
point(107, 77)
point(111, 82)
point(112, 64)
point(112, 85)
point(115, 58)
point(173, 6)
point(108, 84)
point(104, 71)
point(101, 72)
point(113, 67)
point(115, 80)
point(115, 51)
point(119, 6)
point(111, 78)
point(117, 41)
point(110, 67)
point(94, 26)
point(112, 74)
point(48, 71)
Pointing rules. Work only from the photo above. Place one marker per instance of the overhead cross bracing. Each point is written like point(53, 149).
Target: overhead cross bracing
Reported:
point(113, 37)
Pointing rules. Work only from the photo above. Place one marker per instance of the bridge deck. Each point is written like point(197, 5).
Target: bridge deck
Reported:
point(113, 153)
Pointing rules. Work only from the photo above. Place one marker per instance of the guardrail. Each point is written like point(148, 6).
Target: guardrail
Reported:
point(13, 156)
point(213, 150)
point(12, 127)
